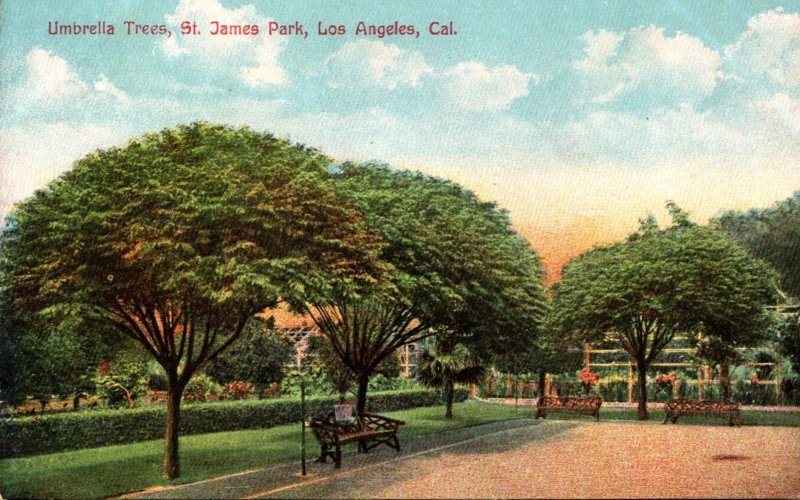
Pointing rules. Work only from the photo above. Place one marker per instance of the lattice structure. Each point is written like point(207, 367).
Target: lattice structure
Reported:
point(409, 355)
point(704, 372)
point(301, 335)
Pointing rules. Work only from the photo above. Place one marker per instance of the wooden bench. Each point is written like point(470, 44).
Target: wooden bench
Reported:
point(369, 430)
point(579, 406)
point(692, 408)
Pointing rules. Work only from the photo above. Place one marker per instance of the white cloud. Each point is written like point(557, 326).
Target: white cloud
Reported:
point(367, 63)
point(254, 59)
point(782, 112)
point(645, 62)
point(467, 86)
point(33, 155)
point(49, 79)
point(104, 85)
point(769, 50)
point(472, 86)
point(662, 136)
point(50, 86)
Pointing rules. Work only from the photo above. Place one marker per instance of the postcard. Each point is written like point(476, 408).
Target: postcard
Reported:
point(219, 218)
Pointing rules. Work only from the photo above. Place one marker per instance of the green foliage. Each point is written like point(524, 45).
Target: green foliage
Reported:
point(50, 433)
point(772, 234)
point(327, 362)
point(63, 475)
point(786, 337)
point(124, 380)
point(316, 381)
point(538, 349)
point(200, 387)
point(178, 239)
point(455, 266)
point(258, 357)
point(443, 364)
point(440, 363)
point(202, 224)
point(156, 377)
point(381, 382)
point(686, 278)
point(40, 358)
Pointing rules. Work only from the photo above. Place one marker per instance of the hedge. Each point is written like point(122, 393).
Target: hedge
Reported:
point(69, 431)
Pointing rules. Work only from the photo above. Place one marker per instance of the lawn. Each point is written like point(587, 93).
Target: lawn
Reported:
point(112, 470)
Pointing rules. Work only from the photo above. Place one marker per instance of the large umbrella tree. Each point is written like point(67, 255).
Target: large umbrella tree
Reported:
point(178, 239)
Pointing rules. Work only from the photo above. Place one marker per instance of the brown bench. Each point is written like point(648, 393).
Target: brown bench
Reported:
point(578, 406)
point(692, 408)
point(369, 430)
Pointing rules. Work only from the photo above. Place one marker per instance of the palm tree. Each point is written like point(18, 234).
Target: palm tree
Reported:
point(443, 364)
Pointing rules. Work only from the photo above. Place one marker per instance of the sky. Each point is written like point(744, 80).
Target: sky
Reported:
point(579, 117)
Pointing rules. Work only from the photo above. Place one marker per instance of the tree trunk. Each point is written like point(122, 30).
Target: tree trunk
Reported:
point(542, 383)
point(171, 467)
point(725, 381)
point(449, 394)
point(361, 403)
point(641, 367)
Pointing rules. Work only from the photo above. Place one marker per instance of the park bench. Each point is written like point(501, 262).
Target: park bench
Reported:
point(692, 408)
point(368, 429)
point(578, 406)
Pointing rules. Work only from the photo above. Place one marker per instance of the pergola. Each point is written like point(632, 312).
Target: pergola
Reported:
point(704, 372)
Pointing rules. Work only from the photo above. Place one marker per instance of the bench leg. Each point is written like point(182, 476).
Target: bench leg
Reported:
point(540, 413)
point(323, 454)
point(337, 459)
point(666, 418)
point(396, 443)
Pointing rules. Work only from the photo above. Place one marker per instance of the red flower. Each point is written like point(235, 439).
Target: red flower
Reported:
point(587, 376)
point(104, 367)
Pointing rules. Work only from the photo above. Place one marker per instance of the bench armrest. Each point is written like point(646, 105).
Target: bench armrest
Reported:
point(374, 422)
point(319, 424)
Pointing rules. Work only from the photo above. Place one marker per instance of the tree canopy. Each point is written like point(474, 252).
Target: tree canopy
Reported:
point(772, 234)
point(179, 238)
point(659, 283)
point(454, 264)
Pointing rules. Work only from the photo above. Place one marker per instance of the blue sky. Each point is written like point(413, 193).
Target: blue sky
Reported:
point(579, 117)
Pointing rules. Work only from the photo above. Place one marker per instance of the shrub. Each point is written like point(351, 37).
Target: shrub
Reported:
point(273, 391)
point(238, 390)
point(258, 357)
point(50, 433)
point(200, 387)
point(123, 381)
point(613, 390)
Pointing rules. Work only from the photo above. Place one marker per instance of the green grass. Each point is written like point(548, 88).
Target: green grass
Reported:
point(112, 470)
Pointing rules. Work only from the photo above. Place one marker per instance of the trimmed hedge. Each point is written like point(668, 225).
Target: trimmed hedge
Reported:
point(70, 431)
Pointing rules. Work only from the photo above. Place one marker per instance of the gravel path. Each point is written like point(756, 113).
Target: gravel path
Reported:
point(606, 460)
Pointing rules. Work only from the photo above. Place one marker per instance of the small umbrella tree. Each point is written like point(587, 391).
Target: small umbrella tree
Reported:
point(453, 264)
point(686, 278)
